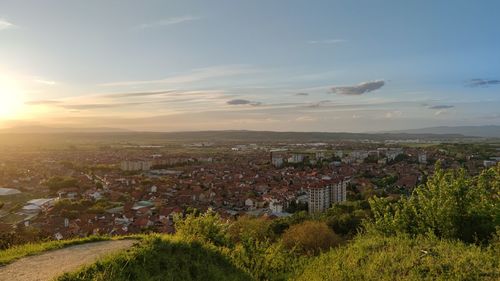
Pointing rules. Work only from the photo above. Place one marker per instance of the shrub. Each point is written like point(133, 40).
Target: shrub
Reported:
point(450, 205)
point(310, 237)
point(250, 228)
point(375, 257)
point(206, 227)
point(264, 260)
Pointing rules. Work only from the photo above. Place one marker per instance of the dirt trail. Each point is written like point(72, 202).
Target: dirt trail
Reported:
point(48, 265)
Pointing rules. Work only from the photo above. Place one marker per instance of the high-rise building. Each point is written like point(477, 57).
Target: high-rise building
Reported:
point(422, 158)
point(322, 198)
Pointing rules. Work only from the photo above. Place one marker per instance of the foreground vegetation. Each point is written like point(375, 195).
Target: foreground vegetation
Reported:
point(377, 257)
point(29, 249)
point(162, 258)
point(448, 229)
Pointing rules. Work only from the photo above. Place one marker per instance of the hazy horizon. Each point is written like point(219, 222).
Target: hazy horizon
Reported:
point(329, 66)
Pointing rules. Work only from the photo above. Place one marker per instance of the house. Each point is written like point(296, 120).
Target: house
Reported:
point(36, 206)
point(250, 204)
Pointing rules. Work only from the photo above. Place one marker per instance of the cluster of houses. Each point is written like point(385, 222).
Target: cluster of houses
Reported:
point(245, 180)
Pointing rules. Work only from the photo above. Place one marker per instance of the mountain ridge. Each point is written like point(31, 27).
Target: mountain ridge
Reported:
point(487, 131)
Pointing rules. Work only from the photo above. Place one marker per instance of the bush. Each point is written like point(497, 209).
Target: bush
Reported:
point(246, 228)
point(207, 227)
point(450, 205)
point(346, 218)
point(375, 257)
point(310, 237)
point(264, 260)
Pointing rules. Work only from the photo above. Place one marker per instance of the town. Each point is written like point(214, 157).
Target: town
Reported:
point(81, 189)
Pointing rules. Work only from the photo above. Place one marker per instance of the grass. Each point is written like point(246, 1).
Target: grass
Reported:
point(161, 257)
point(20, 251)
point(374, 257)
point(366, 257)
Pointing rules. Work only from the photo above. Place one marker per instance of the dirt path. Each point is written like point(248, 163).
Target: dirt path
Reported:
point(48, 265)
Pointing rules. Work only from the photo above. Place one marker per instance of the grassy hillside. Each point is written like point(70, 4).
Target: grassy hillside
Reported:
point(371, 257)
point(162, 258)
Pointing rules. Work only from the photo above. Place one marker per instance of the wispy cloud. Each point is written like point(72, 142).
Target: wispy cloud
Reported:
point(327, 41)
point(4, 24)
point(138, 94)
point(195, 75)
point(302, 94)
point(42, 102)
point(482, 82)
point(317, 104)
point(393, 114)
point(359, 89)
point(99, 105)
point(144, 102)
point(243, 102)
point(306, 119)
point(167, 22)
point(441, 112)
point(441, 106)
point(45, 82)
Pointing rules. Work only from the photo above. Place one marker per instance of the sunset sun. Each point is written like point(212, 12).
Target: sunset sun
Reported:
point(10, 99)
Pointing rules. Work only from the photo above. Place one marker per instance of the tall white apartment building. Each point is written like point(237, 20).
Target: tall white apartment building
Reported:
point(322, 198)
point(422, 158)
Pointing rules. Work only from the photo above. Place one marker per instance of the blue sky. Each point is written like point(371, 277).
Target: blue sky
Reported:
point(270, 64)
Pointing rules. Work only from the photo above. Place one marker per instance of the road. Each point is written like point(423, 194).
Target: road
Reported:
point(48, 265)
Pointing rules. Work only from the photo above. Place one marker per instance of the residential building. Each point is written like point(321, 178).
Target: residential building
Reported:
point(321, 198)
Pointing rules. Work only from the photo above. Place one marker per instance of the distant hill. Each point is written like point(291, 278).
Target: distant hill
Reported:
point(491, 131)
point(36, 129)
point(266, 136)
point(113, 134)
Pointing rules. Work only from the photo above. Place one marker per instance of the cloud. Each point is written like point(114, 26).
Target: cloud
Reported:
point(4, 24)
point(306, 119)
point(393, 114)
point(442, 106)
point(195, 75)
point(440, 112)
point(42, 102)
point(327, 41)
point(441, 109)
point(242, 102)
point(138, 94)
point(301, 94)
point(167, 22)
point(99, 105)
point(482, 82)
point(317, 104)
point(359, 89)
point(46, 82)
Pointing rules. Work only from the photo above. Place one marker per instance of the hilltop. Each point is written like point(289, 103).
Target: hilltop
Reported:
point(491, 131)
point(106, 134)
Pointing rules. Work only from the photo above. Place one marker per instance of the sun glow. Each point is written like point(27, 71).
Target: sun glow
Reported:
point(11, 100)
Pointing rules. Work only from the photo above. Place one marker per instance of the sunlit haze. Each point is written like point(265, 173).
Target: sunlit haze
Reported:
point(352, 66)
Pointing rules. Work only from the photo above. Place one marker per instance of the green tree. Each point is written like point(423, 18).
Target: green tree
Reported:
point(56, 183)
point(450, 205)
point(310, 237)
point(207, 227)
point(250, 228)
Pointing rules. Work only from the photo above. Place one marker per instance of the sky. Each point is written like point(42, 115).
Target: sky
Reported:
point(282, 65)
